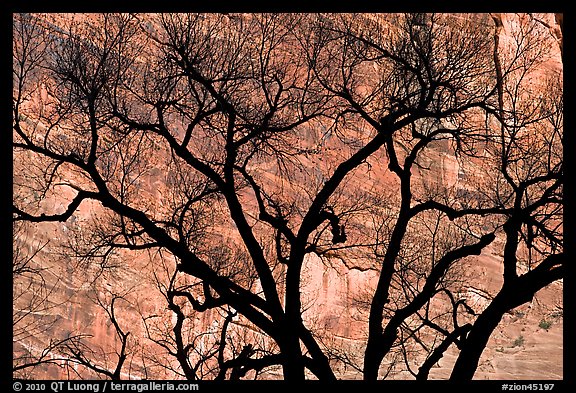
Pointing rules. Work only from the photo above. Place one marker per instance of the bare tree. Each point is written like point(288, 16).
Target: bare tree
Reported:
point(85, 353)
point(413, 105)
point(527, 153)
point(235, 147)
point(34, 289)
point(429, 93)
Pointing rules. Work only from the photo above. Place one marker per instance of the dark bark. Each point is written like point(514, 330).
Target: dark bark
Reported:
point(382, 343)
point(377, 345)
point(513, 294)
point(216, 95)
point(478, 337)
point(292, 360)
point(438, 353)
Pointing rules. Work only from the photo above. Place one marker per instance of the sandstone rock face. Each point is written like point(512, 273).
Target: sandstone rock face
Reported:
point(526, 345)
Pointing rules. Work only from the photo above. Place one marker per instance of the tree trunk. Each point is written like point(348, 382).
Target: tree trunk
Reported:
point(376, 346)
point(293, 363)
point(372, 358)
point(476, 341)
point(513, 294)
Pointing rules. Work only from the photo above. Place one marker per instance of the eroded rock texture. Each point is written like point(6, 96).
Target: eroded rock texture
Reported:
point(73, 300)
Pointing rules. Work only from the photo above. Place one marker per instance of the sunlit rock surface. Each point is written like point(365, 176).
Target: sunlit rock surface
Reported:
point(526, 345)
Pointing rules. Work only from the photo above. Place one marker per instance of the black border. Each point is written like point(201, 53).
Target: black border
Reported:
point(569, 367)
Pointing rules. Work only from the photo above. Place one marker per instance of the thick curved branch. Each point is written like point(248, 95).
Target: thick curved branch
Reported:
point(81, 196)
point(452, 213)
point(439, 351)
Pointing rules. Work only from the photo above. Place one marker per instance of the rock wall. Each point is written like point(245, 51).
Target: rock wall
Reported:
point(333, 293)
